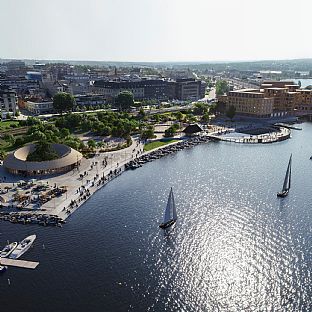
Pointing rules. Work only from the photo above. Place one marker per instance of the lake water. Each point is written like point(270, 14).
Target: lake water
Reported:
point(235, 247)
point(304, 82)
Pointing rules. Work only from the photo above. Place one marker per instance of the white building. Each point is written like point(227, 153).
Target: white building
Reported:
point(39, 108)
point(8, 101)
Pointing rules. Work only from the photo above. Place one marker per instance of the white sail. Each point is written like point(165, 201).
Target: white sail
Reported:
point(286, 184)
point(167, 216)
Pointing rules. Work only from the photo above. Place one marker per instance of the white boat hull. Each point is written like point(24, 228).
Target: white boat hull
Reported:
point(22, 247)
point(8, 249)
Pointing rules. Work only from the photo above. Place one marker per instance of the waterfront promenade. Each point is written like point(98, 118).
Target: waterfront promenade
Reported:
point(80, 183)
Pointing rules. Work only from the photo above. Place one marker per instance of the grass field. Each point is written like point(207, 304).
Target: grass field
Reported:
point(153, 145)
point(4, 125)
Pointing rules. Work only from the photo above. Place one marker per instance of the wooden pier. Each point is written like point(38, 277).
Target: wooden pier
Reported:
point(19, 263)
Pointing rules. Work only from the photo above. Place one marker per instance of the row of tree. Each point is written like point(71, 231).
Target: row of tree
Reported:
point(65, 102)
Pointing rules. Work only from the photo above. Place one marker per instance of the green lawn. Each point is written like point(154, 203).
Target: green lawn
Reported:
point(4, 125)
point(152, 145)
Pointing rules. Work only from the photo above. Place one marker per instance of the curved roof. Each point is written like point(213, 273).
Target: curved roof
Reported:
point(17, 160)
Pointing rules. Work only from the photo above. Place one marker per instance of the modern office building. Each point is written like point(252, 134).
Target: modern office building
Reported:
point(39, 107)
point(159, 89)
point(190, 89)
point(89, 100)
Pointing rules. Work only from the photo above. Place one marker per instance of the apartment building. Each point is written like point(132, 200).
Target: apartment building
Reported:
point(8, 101)
point(304, 106)
point(250, 102)
point(273, 99)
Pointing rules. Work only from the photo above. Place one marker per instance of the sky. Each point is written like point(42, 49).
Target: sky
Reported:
point(155, 30)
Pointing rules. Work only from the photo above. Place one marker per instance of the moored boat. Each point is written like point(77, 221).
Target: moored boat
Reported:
point(170, 215)
point(22, 247)
point(7, 250)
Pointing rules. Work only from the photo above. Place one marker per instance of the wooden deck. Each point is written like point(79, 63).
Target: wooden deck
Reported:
point(19, 263)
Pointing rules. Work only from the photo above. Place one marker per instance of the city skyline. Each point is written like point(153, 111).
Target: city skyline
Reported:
point(146, 31)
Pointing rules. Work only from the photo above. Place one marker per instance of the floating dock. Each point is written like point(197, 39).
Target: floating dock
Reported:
point(19, 263)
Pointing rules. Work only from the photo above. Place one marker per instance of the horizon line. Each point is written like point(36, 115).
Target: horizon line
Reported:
point(159, 62)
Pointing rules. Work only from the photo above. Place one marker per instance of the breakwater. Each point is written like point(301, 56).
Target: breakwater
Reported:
point(165, 150)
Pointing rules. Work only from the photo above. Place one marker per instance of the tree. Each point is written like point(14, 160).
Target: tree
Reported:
point(64, 132)
point(148, 133)
point(9, 138)
point(200, 109)
point(39, 136)
point(63, 102)
point(92, 144)
point(19, 141)
point(171, 131)
point(222, 87)
point(106, 131)
point(205, 118)
point(141, 113)
point(231, 112)
point(179, 116)
point(124, 100)
point(43, 152)
point(2, 154)
point(156, 117)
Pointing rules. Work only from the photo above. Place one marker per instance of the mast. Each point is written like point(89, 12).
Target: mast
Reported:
point(174, 211)
point(289, 173)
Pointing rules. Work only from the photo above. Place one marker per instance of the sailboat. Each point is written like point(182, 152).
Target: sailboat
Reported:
point(286, 185)
point(170, 215)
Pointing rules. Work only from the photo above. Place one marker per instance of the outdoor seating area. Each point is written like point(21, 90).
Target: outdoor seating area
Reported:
point(31, 194)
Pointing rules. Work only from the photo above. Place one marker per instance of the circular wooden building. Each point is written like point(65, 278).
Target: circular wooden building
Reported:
point(16, 162)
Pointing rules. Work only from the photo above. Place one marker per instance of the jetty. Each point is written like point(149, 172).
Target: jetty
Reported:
point(19, 263)
point(287, 126)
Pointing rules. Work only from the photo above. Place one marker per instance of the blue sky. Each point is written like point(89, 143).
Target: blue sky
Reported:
point(158, 30)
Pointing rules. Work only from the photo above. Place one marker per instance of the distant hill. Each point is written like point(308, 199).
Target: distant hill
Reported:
point(282, 65)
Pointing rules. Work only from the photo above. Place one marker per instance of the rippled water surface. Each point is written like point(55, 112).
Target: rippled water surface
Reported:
point(235, 247)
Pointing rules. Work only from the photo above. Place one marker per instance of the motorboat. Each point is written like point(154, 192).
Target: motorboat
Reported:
point(22, 247)
point(7, 250)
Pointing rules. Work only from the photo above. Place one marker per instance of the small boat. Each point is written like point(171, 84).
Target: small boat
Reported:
point(3, 268)
point(310, 157)
point(170, 215)
point(22, 247)
point(7, 250)
point(287, 180)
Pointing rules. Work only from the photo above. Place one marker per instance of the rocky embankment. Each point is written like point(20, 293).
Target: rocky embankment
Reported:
point(164, 151)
